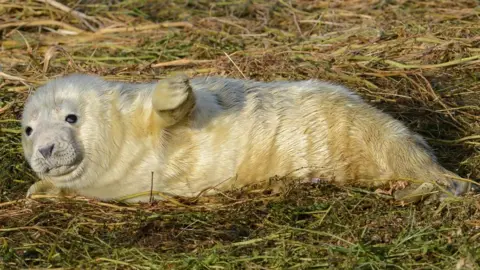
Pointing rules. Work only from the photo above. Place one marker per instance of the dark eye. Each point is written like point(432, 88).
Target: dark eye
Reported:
point(71, 118)
point(28, 131)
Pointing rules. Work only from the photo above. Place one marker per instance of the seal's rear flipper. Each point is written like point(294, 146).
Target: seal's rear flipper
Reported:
point(419, 192)
point(414, 192)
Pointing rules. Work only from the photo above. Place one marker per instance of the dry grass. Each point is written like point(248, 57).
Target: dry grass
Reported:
point(419, 61)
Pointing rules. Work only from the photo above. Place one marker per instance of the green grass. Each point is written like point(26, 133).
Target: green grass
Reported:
point(418, 61)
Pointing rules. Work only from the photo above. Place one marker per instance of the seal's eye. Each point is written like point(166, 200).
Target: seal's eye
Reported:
point(71, 118)
point(28, 131)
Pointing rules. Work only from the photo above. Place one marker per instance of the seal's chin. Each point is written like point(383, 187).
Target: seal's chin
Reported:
point(64, 174)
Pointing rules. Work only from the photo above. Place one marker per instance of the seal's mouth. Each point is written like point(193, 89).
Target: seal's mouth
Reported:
point(60, 170)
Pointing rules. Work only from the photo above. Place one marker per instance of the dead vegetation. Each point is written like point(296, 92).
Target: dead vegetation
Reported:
point(419, 61)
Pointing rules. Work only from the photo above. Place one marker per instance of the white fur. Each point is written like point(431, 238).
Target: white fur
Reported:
point(240, 132)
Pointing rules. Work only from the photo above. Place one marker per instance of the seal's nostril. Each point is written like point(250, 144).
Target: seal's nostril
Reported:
point(47, 151)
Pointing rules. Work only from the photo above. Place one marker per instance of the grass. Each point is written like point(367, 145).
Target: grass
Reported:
point(419, 61)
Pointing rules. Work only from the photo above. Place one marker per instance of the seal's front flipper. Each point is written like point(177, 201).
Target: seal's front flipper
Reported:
point(47, 188)
point(173, 99)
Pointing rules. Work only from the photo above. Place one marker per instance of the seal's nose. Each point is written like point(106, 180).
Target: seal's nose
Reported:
point(47, 151)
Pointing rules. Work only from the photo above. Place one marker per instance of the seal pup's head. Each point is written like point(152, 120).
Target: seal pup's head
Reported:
point(62, 125)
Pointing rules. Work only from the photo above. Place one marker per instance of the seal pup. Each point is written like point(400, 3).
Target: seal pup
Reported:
point(108, 140)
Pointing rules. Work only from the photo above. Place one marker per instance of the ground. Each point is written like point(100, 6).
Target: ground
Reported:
point(418, 61)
